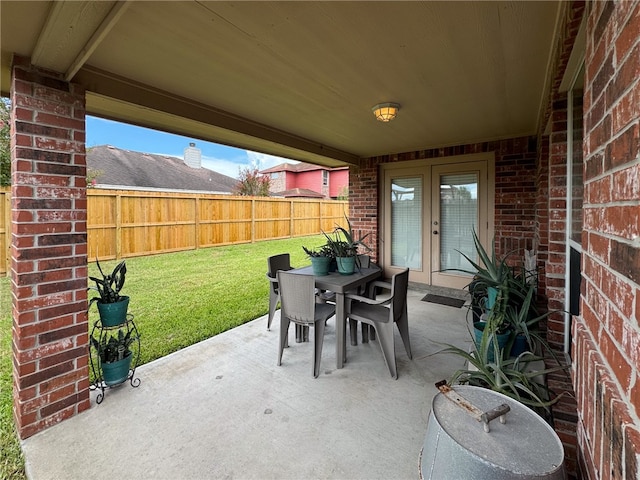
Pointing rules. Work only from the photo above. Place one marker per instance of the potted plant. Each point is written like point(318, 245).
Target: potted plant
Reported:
point(345, 247)
point(492, 288)
point(521, 378)
point(524, 321)
point(115, 355)
point(321, 258)
point(111, 305)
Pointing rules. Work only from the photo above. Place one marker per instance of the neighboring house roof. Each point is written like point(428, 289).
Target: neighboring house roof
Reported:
point(298, 192)
point(298, 167)
point(137, 169)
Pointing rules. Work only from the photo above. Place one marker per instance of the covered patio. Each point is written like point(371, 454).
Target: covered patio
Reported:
point(223, 409)
point(534, 103)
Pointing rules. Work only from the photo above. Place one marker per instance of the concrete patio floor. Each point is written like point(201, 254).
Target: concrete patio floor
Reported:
point(223, 409)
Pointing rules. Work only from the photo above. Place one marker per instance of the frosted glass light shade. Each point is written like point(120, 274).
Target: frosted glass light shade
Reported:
point(385, 112)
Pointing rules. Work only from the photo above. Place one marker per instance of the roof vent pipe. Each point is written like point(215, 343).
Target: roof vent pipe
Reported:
point(193, 156)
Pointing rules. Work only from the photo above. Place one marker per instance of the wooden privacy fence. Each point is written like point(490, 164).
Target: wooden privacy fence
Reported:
point(125, 223)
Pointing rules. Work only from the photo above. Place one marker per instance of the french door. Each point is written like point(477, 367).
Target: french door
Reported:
point(430, 211)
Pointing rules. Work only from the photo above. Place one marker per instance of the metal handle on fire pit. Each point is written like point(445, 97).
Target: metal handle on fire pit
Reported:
point(485, 417)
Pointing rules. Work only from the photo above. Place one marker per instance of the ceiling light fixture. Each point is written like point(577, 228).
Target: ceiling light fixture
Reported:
point(385, 112)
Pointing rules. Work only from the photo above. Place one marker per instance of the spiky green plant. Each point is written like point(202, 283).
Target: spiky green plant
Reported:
point(115, 347)
point(323, 251)
point(109, 286)
point(343, 242)
point(517, 377)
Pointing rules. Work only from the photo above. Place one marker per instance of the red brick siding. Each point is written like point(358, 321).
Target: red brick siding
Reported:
point(278, 184)
point(606, 337)
point(541, 236)
point(557, 222)
point(49, 249)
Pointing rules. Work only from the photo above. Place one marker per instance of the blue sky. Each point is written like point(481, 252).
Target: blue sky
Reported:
point(220, 158)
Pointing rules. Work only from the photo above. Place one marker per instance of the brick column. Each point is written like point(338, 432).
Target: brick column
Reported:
point(48, 249)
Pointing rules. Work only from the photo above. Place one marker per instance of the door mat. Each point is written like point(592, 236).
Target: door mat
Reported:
point(449, 301)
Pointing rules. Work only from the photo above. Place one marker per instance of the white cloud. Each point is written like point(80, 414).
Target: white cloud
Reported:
point(231, 166)
point(263, 160)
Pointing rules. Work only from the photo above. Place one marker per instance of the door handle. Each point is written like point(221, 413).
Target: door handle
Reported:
point(435, 232)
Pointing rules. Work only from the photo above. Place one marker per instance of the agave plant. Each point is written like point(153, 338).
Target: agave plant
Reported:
point(343, 242)
point(323, 251)
point(490, 272)
point(518, 378)
point(109, 286)
point(524, 320)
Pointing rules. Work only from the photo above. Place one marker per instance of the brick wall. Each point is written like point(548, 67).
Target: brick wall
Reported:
point(557, 222)
point(541, 236)
point(515, 189)
point(279, 184)
point(606, 337)
point(48, 249)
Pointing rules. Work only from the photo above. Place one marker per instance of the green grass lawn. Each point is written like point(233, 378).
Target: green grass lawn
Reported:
point(178, 299)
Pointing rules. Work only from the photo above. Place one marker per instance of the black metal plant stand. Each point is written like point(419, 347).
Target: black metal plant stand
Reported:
point(100, 332)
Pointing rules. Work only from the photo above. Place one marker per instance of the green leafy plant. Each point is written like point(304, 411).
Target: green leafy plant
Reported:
point(323, 251)
point(251, 182)
point(115, 348)
point(524, 320)
point(343, 243)
point(109, 286)
point(489, 271)
point(518, 378)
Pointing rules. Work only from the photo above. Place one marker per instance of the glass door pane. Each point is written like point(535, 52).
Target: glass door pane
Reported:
point(406, 222)
point(458, 219)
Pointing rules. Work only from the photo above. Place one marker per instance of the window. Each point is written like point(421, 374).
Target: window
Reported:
point(325, 178)
point(274, 175)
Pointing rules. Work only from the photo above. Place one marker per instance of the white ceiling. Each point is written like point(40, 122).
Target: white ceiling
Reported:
point(298, 79)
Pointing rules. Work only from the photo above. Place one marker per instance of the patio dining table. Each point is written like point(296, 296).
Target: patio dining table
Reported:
point(340, 285)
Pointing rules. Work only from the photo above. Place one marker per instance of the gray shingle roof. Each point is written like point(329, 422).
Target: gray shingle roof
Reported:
point(298, 192)
point(298, 167)
point(137, 169)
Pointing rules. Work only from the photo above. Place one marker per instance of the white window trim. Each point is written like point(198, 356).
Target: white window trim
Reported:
point(569, 242)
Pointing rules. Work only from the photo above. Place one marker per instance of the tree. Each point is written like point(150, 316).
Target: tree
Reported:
point(5, 141)
point(252, 183)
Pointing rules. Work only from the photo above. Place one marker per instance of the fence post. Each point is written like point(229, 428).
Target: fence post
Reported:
point(253, 220)
point(291, 220)
point(197, 226)
point(118, 226)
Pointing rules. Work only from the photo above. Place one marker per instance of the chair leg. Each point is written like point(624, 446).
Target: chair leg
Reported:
point(284, 334)
point(365, 333)
point(372, 333)
point(273, 303)
point(385, 332)
point(353, 332)
point(318, 338)
point(403, 327)
point(302, 333)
